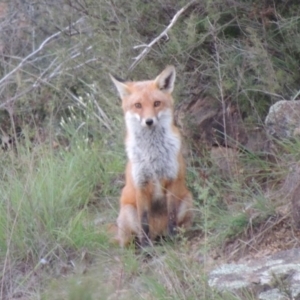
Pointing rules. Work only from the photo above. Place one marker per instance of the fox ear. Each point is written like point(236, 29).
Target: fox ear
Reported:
point(165, 80)
point(121, 86)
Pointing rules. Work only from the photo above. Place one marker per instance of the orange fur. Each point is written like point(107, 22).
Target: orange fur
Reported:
point(155, 199)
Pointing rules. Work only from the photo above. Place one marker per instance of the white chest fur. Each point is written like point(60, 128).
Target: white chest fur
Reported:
point(152, 151)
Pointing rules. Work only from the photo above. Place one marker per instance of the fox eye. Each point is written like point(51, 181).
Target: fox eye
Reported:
point(157, 103)
point(138, 105)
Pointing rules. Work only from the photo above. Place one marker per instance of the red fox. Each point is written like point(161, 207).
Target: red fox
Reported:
point(155, 199)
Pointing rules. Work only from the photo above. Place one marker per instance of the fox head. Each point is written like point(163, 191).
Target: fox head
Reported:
point(148, 102)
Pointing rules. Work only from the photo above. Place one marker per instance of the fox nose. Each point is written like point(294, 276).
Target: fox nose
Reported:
point(149, 122)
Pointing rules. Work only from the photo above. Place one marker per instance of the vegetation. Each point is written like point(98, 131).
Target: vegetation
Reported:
point(62, 155)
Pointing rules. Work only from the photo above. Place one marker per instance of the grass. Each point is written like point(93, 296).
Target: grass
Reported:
point(46, 199)
point(55, 205)
point(57, 201)
point(59, 192)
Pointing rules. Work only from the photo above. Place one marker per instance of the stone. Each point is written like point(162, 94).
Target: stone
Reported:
point(274, 277)
point(283, 119)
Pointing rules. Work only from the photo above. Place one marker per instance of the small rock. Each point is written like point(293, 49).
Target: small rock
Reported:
point(283, 119)
point(267, 278)
point(273, 294)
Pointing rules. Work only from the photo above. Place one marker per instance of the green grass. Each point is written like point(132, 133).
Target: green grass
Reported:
point(46, 210)
point(55, 202)
point(55, 206)
point(49, 197)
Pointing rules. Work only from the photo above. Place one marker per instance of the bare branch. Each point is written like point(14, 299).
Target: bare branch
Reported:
point(45, 42)
point(266, 92)
point(58, 70)
point(148, 47)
